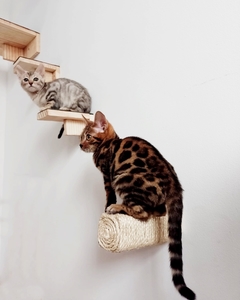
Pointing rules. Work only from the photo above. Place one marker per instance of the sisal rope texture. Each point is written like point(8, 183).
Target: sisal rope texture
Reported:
point(119, 232)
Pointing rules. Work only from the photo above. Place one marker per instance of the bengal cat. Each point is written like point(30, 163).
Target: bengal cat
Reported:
point(145, 181)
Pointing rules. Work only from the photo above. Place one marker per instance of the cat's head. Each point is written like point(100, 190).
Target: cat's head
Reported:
point(96, 132)
point(31, 82)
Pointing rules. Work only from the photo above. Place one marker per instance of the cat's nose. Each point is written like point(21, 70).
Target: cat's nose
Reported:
point(80, 145)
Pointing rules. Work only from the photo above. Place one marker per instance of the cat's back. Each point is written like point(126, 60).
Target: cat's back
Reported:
point(69, 94)
point(134, 152)
point(133, 156)
point(65, 83)
point(136, 147)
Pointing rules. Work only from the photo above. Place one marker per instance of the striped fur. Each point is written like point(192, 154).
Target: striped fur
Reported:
point(145, 181)
point(62, 93)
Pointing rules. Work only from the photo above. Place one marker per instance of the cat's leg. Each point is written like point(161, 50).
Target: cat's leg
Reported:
point(110, 197)
point(160, 210)
point(49, 105)
point(135, 211)
point(110, 193)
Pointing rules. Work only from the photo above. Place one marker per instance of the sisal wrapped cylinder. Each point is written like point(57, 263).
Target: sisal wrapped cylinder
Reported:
point(119, 232)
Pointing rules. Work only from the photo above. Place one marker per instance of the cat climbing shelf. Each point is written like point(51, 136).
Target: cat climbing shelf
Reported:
point(16, 40)
point(51, 71)
point(73, 121)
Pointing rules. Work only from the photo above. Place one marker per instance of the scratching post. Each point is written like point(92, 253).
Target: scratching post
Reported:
point(119, 232)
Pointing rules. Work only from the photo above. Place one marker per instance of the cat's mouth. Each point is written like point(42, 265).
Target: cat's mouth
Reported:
point(32, 88)
point(84, 148)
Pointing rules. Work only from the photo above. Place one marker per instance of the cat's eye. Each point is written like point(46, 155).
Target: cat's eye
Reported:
point(35, 79)
point(88, 136)
point(25, 79)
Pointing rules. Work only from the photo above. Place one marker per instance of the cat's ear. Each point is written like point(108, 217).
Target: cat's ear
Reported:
point(19, 71)
point(100, 122)
point(40, 70)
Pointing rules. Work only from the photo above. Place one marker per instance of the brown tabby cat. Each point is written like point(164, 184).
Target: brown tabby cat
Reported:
point(145, 181)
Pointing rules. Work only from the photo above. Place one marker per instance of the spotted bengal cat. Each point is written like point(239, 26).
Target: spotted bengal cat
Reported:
point(144, 180)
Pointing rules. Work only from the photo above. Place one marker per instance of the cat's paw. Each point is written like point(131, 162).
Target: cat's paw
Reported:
point(113, 209)
point(138, 212)
point(48, 106)
point(64, 108)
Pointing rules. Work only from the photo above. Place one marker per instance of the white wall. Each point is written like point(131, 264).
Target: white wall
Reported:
point(167, 71)
point(4, 65)
point(3, 95)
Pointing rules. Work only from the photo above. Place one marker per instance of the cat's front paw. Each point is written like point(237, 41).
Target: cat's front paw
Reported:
point(48, 106)
point(113, 209)
point(65, 108)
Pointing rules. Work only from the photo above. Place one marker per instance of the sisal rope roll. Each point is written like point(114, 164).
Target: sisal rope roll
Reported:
point(119, 232)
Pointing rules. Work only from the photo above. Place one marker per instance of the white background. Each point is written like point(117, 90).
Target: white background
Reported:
point(167, 71)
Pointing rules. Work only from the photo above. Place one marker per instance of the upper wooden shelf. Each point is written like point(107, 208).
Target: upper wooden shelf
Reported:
point(16, 40)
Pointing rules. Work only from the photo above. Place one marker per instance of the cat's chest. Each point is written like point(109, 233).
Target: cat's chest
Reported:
point(42, 92)
point(39, 98)
point(104, 158)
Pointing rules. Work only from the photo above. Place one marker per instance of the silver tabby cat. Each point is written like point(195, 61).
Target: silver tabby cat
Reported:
point(61, 93)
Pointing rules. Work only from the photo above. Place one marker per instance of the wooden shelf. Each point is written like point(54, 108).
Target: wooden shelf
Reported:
point(16, 41)
point(73, 121)
point(61, 115)
point(21, 45)
point(51, 71)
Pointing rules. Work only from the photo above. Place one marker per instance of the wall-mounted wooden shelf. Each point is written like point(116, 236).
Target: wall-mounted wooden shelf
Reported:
point(51, 71)
point(73, 121)
point(21, 45)
point(16, 41)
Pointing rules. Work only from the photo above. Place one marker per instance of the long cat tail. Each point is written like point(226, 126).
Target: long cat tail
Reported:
point(174, 209)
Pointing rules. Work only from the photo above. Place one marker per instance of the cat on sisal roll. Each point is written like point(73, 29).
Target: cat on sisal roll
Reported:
point(61, 93)
point(146, 182)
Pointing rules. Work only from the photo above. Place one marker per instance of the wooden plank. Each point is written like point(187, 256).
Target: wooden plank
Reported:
point(61, 115)
point(1, 50)
point(51, 71)
point(56, 74)
point(19, 37)
point(33, 48)
point(11, 53)
point(74, 127)
point(15, 35)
